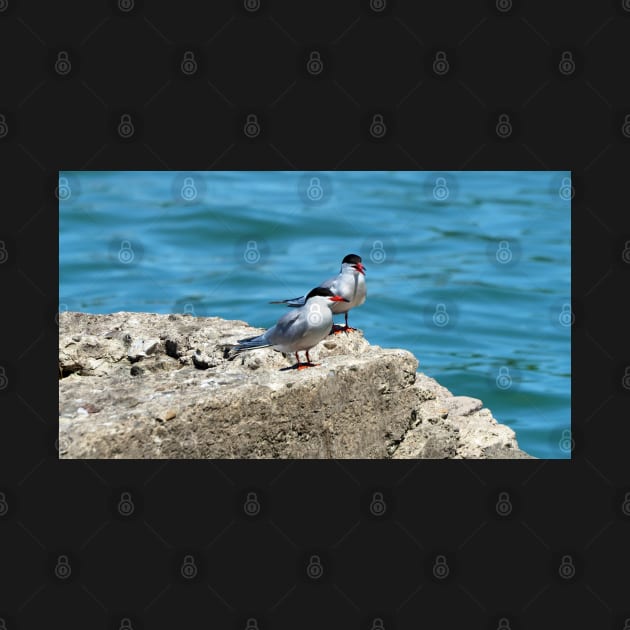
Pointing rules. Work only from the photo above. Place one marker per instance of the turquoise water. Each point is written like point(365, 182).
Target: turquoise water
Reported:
point(468, 270)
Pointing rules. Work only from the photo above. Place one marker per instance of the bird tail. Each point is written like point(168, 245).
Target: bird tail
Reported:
point(247, 344)
point(298, 301)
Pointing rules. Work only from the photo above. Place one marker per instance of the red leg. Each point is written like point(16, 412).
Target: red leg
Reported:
point(308, 364)
point(345, 328)
point(348, 328)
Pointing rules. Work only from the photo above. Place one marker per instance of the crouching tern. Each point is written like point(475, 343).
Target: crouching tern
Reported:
point(300, 329)
point(349, 284)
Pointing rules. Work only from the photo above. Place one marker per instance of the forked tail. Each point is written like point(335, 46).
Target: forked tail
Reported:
point(248, 344)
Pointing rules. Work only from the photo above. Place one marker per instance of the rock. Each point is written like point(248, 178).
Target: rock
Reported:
point(140, 385)
point(136, 370)
point(140, 348)
point(166, 414)
point(202, 361)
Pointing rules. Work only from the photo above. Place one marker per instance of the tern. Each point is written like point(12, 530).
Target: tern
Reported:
point(349, 284)
point(300, 329)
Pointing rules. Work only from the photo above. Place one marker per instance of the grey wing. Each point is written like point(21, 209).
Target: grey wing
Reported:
point(285, 328)
point(330, 283)
point(298, 301)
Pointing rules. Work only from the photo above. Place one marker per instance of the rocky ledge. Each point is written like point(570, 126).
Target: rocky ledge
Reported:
point(140, 385)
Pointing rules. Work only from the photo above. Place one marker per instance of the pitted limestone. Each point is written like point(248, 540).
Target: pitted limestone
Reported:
point(180, 397)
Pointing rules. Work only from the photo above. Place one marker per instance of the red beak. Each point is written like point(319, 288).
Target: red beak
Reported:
point(360, 268)
point(337, 298)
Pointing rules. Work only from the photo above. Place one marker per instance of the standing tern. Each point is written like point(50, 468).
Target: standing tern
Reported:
point(300, 329)
point(349, 284)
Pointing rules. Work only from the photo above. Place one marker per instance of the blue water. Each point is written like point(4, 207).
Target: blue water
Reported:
point(468, 270)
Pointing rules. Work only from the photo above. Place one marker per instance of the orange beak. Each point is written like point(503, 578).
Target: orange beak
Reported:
point(337, 298)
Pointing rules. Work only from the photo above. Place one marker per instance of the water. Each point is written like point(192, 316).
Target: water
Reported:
point(470, 271)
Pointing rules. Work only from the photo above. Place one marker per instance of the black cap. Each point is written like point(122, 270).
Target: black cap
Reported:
point(323, 291)
point(352, 259)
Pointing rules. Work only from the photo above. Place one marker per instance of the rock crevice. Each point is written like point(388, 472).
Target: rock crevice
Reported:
point(141, 385)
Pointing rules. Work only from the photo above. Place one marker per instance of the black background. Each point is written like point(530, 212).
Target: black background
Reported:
point(251, 570)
